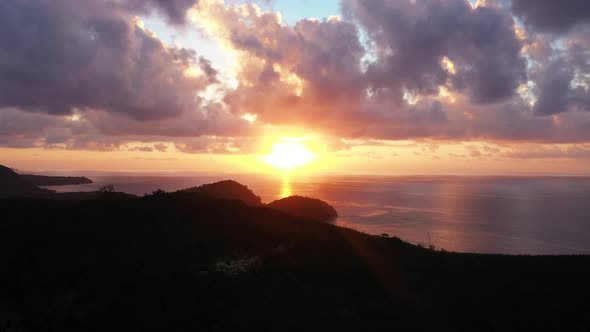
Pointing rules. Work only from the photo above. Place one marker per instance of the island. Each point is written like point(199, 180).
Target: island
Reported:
point(12, 184)
point(43, 180)
point(306, 207)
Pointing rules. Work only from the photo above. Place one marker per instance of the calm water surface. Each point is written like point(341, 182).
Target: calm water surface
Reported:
point(513, 215)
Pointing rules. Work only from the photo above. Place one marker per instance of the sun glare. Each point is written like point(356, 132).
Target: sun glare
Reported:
point(287, 155)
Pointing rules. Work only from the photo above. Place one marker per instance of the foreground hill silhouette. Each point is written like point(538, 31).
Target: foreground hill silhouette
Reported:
point(305, 207)
point(12, 184)
point(185, 261)
point(227, 189)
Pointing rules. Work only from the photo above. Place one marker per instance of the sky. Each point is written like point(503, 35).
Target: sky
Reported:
point(367, 86)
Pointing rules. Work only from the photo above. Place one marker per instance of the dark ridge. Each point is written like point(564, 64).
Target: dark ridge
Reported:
point(13, 185)
point(42, 180)
point(177, 262)
point(227, 189)
point(91, 195)
point(305, 207)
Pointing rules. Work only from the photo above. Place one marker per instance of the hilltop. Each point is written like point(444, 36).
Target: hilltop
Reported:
point(306, 207)
point(227, 189)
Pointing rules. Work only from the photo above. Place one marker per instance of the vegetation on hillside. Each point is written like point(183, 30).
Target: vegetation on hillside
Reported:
point(183, 261)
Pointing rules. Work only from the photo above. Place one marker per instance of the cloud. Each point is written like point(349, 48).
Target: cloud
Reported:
point(216, 145)
point(581, 151)
point(421, 45)
point(319, 75)
point(88, 75)
point(551, 15)
point(293, 75)
point(141, 149)
point(563, 81)
point(79, 74)
point(65, 54)
point(174, 10)
point(161, 147)
point(94, 130)
point(212, 119)
point(443, 70)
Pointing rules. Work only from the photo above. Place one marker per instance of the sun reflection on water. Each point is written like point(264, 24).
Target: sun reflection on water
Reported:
point(286, 190)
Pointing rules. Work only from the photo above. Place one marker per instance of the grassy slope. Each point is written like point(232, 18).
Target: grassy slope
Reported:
point(154, 264)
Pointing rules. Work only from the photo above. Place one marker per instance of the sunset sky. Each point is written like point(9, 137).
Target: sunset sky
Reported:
point(349, 86)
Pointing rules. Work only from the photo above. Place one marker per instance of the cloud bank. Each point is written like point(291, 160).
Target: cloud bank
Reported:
point(78, 74)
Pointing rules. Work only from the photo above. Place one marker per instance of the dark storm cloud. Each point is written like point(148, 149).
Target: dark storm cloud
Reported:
point(65, 54)
point(17, 123)
point(562, 82)
point(552, 15)
point(412, 37)
point(553, 86)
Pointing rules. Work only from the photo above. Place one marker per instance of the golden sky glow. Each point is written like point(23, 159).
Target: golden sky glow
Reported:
point(404, 157)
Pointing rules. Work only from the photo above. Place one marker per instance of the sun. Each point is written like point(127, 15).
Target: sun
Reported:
point(289, 154)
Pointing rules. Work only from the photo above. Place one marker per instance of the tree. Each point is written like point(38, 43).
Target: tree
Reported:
point(107, 189)
point(158, 193)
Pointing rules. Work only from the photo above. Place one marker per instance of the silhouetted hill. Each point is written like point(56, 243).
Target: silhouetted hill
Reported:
point(12, 184)
point(306, 207)
point(185, 262)
point(42, 180)
point(90, 195)
point(227, 189)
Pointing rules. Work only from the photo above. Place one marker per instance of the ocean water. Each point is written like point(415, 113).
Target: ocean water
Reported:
point(499, 214)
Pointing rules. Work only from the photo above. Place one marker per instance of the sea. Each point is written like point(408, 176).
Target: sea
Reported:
point(518, 215)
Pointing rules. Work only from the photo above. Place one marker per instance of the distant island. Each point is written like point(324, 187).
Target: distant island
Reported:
point(13, 184)
point(44, 180)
